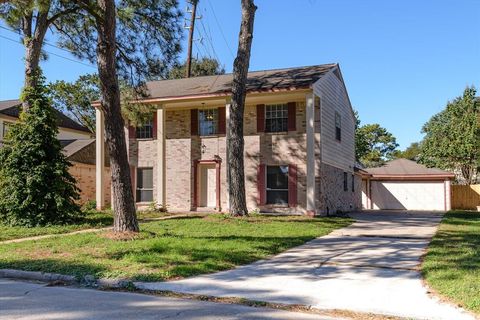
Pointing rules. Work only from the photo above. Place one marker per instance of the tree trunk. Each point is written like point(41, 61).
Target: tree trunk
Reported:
point(33, 41)
point(125, 218)
point(238, 205)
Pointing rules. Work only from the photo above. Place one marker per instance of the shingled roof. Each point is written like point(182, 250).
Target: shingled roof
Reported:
point(257, 81)
point(405, 167)
point(12, 108)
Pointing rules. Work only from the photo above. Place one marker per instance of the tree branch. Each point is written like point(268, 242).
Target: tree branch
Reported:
point(87, 6)
point(62, 13)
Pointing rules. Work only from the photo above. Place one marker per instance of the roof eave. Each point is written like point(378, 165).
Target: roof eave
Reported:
point(97, 104)
point(424, 177)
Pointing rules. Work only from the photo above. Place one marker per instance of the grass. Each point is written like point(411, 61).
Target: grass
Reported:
point(452, 264)
point(169, 249)
point(92, 219)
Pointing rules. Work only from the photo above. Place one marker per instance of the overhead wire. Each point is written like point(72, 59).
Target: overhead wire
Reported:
point(221, 30)
point(51, 53)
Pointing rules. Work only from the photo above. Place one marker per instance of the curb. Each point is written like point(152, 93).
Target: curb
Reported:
point(37, 276)
point(56, 278)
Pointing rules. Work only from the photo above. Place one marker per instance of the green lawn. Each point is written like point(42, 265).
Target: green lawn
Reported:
point(452, 264)
point(92, 219)
point(169, 249)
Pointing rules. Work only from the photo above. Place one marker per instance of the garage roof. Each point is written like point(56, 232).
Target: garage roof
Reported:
point(404, 168)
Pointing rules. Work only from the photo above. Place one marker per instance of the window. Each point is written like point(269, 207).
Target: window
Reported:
point(145, 131)
point(338, 126)
point(353, 183)
point(277, 185)
point(276, 118)
point(144, 184)
point(345, 181)
point(208, 122)
point(6, 127)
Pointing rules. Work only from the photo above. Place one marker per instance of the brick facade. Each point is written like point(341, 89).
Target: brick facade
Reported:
point(183, 151)
point(331, 196)
point(84, 174)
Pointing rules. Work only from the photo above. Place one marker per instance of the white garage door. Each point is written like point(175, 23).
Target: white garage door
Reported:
point(408, 195)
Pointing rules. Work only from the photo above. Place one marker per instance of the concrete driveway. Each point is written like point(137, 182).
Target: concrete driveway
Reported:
point(370, 266)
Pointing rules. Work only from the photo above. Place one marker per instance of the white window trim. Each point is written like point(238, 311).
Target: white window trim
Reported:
point(265, 117)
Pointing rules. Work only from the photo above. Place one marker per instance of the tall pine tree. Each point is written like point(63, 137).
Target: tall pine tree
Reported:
point(36, 187)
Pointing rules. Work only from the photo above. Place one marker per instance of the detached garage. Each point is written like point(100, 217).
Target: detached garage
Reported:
point(406, 185)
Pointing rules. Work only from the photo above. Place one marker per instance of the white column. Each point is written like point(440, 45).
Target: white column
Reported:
point(227, 120)
point(448, 195)
point(310, 121)
point(161, 163)
point(100, 159)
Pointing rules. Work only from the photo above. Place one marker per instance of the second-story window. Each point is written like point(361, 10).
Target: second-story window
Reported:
point(6, 127)
point(276, 118)
point(208, 122)
point(338, 126)
point(145, 131)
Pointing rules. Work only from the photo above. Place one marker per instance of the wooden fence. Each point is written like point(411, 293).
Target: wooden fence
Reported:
point(466, 197)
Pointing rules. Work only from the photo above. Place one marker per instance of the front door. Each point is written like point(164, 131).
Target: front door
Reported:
point(211, 187)
point(208, 185)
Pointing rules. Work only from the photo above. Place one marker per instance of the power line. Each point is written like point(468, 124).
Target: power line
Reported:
point(49, 52)
point(208, 36)
point(201, 52)
point(220, 28)
point(206, 48)
point(44, 41)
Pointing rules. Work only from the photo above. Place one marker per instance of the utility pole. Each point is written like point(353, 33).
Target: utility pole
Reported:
point(190, 36)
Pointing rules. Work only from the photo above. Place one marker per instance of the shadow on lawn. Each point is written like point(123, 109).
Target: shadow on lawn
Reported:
point(456, 246)
point(176, 260)
point(164, 256)
point(95, 218)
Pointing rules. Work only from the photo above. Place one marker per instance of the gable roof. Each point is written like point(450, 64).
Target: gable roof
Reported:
point(257, 81)
point(407, 168)
point(12, 108)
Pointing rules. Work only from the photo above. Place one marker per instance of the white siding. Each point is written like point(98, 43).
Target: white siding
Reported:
point(334, 98)
point(63, 133)
point(69, 134)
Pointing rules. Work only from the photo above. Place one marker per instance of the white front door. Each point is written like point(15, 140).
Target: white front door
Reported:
point(208, 185)
point(211, 187)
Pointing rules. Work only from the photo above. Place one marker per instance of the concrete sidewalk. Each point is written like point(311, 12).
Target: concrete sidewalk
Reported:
point(31, 301)
point(370, 266)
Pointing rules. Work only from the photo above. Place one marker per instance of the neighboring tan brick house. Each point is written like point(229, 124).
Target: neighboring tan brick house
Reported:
point(299, 144)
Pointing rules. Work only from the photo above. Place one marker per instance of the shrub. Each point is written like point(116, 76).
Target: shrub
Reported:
point(90, 205)
point(36, 187)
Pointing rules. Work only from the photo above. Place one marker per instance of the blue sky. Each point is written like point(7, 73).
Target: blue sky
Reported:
point(402, 60)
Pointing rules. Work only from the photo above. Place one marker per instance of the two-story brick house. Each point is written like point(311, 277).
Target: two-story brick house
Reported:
point(299, 144)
